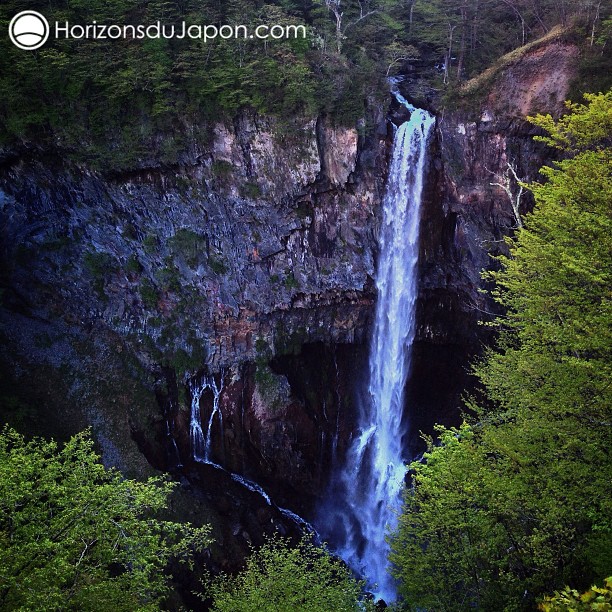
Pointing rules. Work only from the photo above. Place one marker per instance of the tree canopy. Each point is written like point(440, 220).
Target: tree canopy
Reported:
point(279, 576)
point(518, 503)
point(569, 600)
point(108, 103)
point(76, 536)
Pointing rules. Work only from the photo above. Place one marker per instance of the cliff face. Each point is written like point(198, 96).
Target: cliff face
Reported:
point(250, 263)
point(254, 228)
point(481, 149)
point(488, 145)
point(120, 292)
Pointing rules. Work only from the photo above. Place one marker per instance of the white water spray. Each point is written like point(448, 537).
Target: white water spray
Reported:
point(371, 480)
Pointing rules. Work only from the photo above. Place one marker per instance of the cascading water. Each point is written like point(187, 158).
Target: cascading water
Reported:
point(195, 425)
point(365, 498)
point(201, 446)
point(212, 385)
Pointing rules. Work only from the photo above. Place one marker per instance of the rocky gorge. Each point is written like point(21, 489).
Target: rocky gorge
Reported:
point(241, 279)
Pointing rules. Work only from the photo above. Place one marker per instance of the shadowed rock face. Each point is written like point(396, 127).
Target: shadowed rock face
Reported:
point(259, 243)
point(466, 216)
point(119, 291)
point(251, 260)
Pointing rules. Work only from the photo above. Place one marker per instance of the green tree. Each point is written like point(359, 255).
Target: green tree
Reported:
point(586, 126)
point(280, 576)
point(76, 536)
point(518, 503)
point(569, 600)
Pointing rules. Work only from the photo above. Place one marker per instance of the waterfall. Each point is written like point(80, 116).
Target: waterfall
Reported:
point(195, 423)
point(334, 449)
point(365, 497)
point(211, 384)
point(251, 486)
point(201, 446)
point(170, 436)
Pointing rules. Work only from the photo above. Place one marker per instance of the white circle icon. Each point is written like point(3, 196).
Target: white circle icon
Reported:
point(29, 30)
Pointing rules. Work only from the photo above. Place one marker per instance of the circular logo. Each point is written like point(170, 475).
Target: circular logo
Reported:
point(29, 30)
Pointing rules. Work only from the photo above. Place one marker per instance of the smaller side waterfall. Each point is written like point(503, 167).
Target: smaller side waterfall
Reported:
point(195, 424)
point(211, 384)
point(201, 445)
point(252, 486)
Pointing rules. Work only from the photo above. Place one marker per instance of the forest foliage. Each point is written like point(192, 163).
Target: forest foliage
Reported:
point(77, 536)
point(570, 600)
point(110, 103)
point(282, 576)
point(518, 502)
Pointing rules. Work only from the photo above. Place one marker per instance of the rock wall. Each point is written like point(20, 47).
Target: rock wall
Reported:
point(469, 212)
point(261, 241)
point(121, 292)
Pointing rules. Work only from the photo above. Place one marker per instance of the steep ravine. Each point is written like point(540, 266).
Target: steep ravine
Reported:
point(251, 261)
point(466, 215)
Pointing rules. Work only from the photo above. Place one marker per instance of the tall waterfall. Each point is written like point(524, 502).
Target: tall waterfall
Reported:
point(366, 494)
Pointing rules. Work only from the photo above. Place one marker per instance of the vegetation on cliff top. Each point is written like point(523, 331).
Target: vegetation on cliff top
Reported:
point(518, 503)
point(115, 103)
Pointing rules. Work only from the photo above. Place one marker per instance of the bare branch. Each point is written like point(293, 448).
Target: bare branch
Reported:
point(505, 183)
